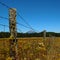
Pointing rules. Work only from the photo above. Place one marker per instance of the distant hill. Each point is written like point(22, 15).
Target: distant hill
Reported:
point(31, 31)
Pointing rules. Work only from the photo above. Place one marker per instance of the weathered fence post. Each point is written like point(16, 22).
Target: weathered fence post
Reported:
point(13, 40)
point(44, 37)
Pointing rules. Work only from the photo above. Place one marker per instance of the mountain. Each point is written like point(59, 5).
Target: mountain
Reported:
point(31, 31)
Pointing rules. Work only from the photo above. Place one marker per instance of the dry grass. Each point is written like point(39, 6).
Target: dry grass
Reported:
point(29, 48)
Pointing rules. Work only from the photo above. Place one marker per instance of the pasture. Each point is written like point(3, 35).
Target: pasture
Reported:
point(34, 48)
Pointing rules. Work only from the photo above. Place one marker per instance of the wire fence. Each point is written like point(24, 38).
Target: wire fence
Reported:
point(30, 48)
point(28, 25)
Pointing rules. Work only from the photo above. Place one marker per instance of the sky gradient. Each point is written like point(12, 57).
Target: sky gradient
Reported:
point(40, 14)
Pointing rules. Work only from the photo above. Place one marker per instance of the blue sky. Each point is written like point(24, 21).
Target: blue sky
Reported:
point(40, 14)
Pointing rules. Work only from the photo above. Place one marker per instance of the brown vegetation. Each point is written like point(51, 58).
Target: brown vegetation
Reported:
point(33, 48)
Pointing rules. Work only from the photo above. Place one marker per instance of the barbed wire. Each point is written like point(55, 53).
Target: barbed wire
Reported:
point(8, 27)
point(16, 22)
point(23, 25)
point(25, 21)
point(4, 4)
point(20, 30)
point(3, 18)
point(19, 16)
point(4, 26)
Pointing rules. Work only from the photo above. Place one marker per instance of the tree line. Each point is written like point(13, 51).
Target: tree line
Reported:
point(40, 34)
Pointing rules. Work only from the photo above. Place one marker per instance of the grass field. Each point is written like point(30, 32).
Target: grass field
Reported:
point(34, 48)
